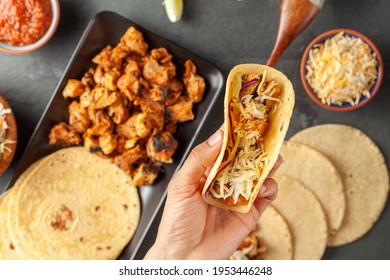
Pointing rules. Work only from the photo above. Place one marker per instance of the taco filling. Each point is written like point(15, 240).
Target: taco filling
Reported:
point(253, 101)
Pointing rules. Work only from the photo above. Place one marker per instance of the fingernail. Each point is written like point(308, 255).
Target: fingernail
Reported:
point(263, 189)
point(214, 139)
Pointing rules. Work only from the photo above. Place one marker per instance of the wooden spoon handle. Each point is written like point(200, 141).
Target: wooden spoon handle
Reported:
point(294, 17)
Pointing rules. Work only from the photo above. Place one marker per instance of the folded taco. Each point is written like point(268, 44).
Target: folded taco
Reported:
point(257, 109)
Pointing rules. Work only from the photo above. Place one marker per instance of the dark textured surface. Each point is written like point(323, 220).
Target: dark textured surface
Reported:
point(226, 33)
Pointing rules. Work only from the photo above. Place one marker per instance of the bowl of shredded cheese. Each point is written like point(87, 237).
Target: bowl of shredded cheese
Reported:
point(341, 70)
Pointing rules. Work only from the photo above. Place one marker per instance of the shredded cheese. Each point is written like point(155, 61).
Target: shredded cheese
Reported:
point(3, 131)
point(341, 70)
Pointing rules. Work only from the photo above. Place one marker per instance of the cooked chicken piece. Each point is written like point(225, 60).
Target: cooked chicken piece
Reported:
point(181, 111)
point(170, 126)
point(194, 83)
point(167, 95)
point(129, 169)
point(256, 125)
point(121, 144)
point(73, 88)
point(254, 80)
point(130, 157)
point(143, 60)
point(135, 126)
point(129, 144)
point(247, 242)
point(102, 124)
point(275, 93)
point(73, 106)
point(175, 89)
point(2, 121)
point(64, 135)
point(110, 80)
point(108, 143)
point(104, 58)
point(87, 79)
point(161, 147)
point(98, 75)
point(128, 84)
point(153, 111)
point(155, 73)
point(240, 201)
point(91, 143)
point(139, 59)
point(158, 93)
point(86, 98)
point(133, 67)
point(171, 68)
point(78, 117)
point(103, 98)
point(127, 129)
point(145, 174)
point(252, 247)
point(142, 125)
point(161, 55)
point(145, 83)
point(120, 52)
point(134, 41)
point(91, 112)
point(118, 112)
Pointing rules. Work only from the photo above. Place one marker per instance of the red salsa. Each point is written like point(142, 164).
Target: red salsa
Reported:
point(24, 22)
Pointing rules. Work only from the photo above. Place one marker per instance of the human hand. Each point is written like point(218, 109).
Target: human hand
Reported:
point(192, 229)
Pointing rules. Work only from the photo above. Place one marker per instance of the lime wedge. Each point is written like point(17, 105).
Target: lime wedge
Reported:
point(174, 9)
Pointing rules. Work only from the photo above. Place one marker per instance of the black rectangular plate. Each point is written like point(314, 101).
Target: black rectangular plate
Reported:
point(107, 28)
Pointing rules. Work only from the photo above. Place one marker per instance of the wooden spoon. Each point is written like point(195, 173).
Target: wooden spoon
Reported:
point(294, 17)
point(11, 134)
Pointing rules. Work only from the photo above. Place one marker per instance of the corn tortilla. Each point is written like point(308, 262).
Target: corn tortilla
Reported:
point(363, 170)
point(274, 233)
point(9, 247)
point(317, 173)
point(73, 205)
point(305, 217)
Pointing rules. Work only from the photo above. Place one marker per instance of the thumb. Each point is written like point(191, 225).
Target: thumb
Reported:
point(200, 158)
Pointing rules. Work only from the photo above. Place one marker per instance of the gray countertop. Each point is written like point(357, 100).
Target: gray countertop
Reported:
point(226, 33)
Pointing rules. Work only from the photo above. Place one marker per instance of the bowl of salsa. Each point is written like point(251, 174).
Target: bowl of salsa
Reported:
point(27, 25)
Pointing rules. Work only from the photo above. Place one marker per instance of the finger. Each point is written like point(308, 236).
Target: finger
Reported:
point(277, 164)
point(266, 195)
point(200, 158)
point(203, 180)
point(269, 189)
